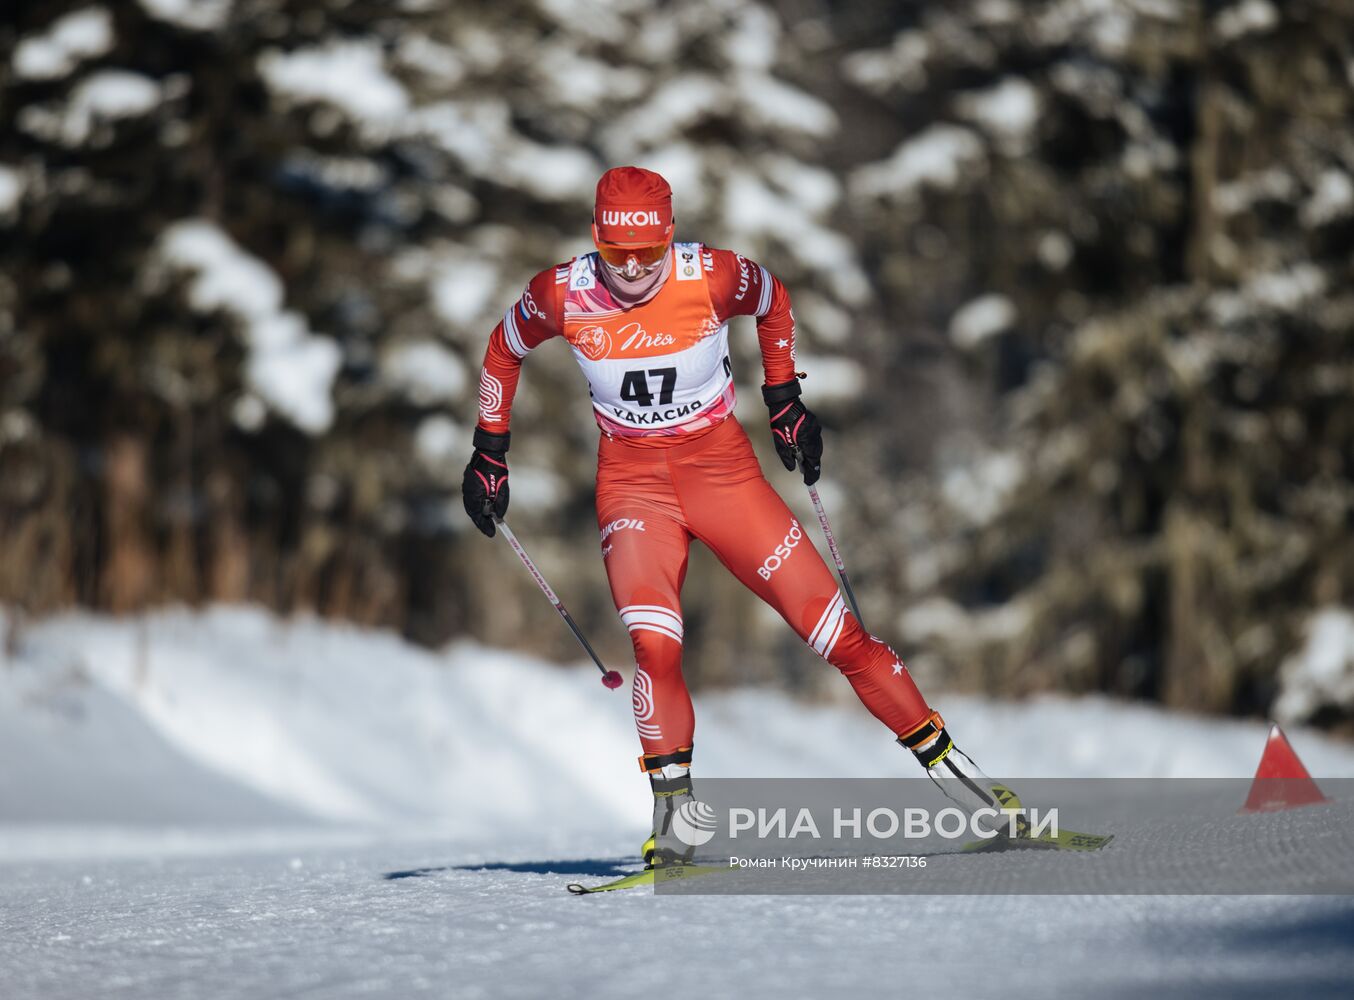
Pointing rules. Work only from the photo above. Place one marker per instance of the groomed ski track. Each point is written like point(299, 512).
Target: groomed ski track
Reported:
point(329, 921)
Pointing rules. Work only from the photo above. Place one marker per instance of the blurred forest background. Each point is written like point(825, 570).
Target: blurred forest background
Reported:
point(1073, 282)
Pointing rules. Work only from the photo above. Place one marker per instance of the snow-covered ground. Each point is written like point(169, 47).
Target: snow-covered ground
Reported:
point(226, 804)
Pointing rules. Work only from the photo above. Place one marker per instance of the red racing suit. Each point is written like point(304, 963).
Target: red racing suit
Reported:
point(674, 464)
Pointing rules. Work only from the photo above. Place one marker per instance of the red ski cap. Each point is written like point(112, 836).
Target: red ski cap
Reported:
point(634, 208)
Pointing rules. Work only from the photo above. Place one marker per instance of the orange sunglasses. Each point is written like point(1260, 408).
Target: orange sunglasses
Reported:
point(646, 256)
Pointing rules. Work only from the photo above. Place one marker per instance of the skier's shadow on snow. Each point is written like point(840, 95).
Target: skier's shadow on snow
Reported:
point(586, 866)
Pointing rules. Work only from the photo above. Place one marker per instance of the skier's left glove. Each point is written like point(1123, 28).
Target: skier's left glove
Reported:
point(484, 487)
point(794, 429)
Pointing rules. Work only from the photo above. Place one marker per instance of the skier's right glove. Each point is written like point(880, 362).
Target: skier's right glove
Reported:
point(794, 429)
point(484, 487)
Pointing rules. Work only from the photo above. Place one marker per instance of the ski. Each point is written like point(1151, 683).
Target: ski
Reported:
point(648, 876)
point(1066, 840)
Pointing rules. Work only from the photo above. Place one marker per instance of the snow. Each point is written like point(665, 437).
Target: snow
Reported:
point(674, 106)
point(115, 94)
point(338, 173)
point(331, 723)
point(1162, 10)
point(1009, 111)
point(425, 371)
point(992, 12)
point(939, 618)
point(903, 63)
point(301, 714)
point(1055, 249)
point(463, 287)
point(815, 189)
point(535, 489)
point(1108, 25)
point(294, 370)
point(684, 168)
point(226, 277)
point(550, 173)
point(755, 97)
point(17, 425)
point(753, 208)
point(289, 366)
point(753, 40)
point(1239, 195)
point(827, 324)
point(1321, 674)
point(12, 185)
point(479, 134)
point(937, 157)
point(1096, 88)
point(350, 75)
point(1281, 290)
point(936, 617)
point(80, 35)
point(428, 919)
point(440, 441)
point(580, 82)
point(471, 131)
point(249, 413)
point(978, 489)
point(455, 204)
point(196, 15)
point(1141, 159)
point(1193, 359)
point(832, 379)
point(1110, 33)
point(980, 319)
point(1246, 18)
point(226, 803)
point(604, 20)
point(1287, 289)
point(1332, 198)
point(438, 62)
point(104, 96)
point(781, 107)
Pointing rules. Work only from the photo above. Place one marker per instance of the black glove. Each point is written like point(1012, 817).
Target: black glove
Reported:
point(795, 430)
point(484, 487)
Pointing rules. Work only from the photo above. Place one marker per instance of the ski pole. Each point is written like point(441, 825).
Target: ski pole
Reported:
point(831, 542)
point(610, 678)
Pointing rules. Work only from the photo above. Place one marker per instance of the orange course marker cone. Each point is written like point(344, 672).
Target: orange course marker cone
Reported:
point(1281, 782)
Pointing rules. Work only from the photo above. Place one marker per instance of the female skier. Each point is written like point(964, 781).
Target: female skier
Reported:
point(647, 319)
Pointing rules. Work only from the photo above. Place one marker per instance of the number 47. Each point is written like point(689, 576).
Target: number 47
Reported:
point(635, 386)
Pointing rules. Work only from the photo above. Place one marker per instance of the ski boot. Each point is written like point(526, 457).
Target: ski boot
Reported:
point(670, 779)
point(955, 774)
